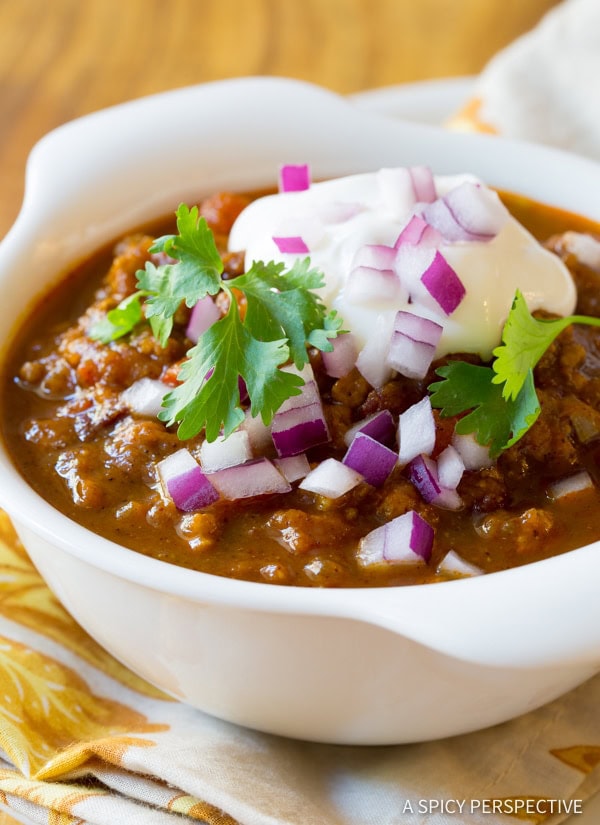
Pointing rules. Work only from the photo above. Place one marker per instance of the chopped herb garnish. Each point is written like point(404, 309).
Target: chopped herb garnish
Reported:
point(282, 315)
point(500, 399)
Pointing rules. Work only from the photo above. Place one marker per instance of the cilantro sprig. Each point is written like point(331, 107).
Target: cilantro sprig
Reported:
point(282, 315)
point(500, 400)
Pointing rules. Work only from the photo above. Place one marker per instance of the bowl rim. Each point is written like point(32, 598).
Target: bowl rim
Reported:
point(391, 607)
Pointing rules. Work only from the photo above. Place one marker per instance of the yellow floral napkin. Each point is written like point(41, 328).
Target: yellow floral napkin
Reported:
point(83, 740)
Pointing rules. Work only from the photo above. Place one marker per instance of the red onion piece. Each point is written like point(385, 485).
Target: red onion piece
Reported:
point(423, 474)
point(309, 394)
point(291, 244)
point(225, 452)
point(375, 256)
point(407, 539)
point(183, 481)
point(423, 183)
point(295, 431)
point(366, 285)
point(455, 566)
point(416, 431)
point(145, 396)
point(413, 344)
point(372, 459)
point(331, 479)
point(418, 232)
point(443, 284)
point(342, 358)
point(402, 187)
point(379, 426)
point(204, 314)
point(294, 177)
point(577, 483)
point(475, 456)
point(254, 478)
point(469, 212)
point(259, 434)
point(293, 467)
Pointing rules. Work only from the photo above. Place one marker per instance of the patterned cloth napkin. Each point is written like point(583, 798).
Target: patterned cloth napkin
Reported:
point(83, 740)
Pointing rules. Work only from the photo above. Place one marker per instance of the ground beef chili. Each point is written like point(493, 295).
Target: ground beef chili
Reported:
point(75, 442)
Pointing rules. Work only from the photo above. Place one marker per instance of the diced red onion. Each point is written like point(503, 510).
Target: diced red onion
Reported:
point(295, 431)
point(450, 468)
point(418, 232)
point(306, 373)
point(254, 478)
point(366, 285)
point(475, 456)
point(225, 452)
point(469, 212)
point(204, 314)
point(407, 539)
point(443, 284)
point(342, 358)
point(294, 177)
point(293, 467)
point(145, 396)
point(454, 565)
point(572, 484)
point(379, 426)
point(309, 394)
point(292, 244)
point(331, 479)
point(423, 474)
point(259, 434)
point(411, 262)
point(372, 459)
point(416, 431)
point(402, 187)
point(413, 344)
point(371, 361)
point(375, 256)
point(423, 183)
point(183, 481)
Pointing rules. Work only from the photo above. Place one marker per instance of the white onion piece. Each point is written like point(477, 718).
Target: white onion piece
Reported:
point(413, 344)
point(225, 452)
point(450, 468)
point(309, 394)
point(183, 481)
point(293, 467)
point(454, 565)
point(342, 358)
point(577, 483)
point(371, 361)
point(407, 539)
point(379, 426)
point(294, 177)
point(255, 478)
point(416, 431)
point(475, 456)
point(366, 285)
point(331, 479)
point(203, 315)
point(423, 183)
point(423, 474)
point(145, 396)
point(372, 459)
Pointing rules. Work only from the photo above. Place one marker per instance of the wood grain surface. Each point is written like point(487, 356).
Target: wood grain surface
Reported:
point(63, 58)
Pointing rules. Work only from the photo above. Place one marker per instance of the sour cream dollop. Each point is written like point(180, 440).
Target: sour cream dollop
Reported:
point(337, 218)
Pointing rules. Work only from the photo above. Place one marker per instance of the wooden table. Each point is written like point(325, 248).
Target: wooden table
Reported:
point(64, 58)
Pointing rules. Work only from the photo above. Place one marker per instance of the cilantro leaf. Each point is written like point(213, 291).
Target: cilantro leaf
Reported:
point(209, 394)
point(495, 421)
point(118, 321)
point(280, 304)
point(524, 340)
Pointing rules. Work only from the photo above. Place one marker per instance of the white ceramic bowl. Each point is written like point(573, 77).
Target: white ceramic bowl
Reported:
point(365, 666)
